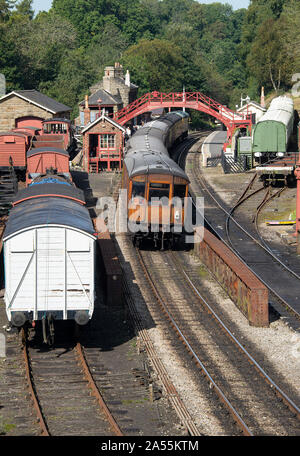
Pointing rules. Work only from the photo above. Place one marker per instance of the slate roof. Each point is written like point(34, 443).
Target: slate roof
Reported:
point(100, 119)
point(39, 99)
point(105, 97)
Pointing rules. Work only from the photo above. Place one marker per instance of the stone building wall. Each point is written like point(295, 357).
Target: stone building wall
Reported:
point(14, 107)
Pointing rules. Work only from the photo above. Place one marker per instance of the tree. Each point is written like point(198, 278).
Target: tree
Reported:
point(99, 55)
point(42, 43)
point(5, 9)
point(155, 65)
point(258, 12)
point(75, 75)
point(24, 8)
point(290, 33)
point(267, 59)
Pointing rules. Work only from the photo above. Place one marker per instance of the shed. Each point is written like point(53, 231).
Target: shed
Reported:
point(49, 257)
point(253, 108)
point(103, 144)
point(29, 107)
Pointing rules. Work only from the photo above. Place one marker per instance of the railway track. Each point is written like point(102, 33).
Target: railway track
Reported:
point(58, 382)
point(100, 386)
point(242, 236)
point(254, 401)
point(170, 390)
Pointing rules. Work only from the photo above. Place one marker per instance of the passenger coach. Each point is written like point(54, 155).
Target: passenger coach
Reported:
point(152, 180)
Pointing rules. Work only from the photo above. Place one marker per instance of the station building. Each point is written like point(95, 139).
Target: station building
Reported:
point(111, 94)
point(30, 106)
point(253, 108)
point(103, 138)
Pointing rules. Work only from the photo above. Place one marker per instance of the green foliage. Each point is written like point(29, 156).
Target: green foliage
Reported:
point(24, 8)
point(41, 44)
point(164, 43)
point(155, 65)
point(290, 37)
point(74, 77)
point(267, 58)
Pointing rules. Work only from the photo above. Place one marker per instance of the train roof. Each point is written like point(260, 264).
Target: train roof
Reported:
point(284, 103)
point(48, 211)
point(28, 127)
point(152, 135)
point(174, 115)
point(52, 187)
point(281, 110)
point(146, 142)
point(44, 150)
point(147, 162)
point(57, 119)
point(22, 133)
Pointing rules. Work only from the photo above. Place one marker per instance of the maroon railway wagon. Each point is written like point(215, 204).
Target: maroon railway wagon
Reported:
point(56, 141)
point(13, 148)
point(29, 121)
point(45, 160)
point(33, 131)
point(61, 127)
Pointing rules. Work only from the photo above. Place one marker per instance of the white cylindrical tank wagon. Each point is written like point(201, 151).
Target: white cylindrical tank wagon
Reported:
point(49, 255)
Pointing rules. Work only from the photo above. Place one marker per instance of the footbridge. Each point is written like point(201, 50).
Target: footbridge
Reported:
point(192, 100)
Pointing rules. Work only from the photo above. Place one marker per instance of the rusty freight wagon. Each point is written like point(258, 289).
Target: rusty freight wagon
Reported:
point(41, 161)
point(13, 148)
point(61, 128)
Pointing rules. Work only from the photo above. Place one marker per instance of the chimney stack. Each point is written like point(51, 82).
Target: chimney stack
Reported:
point(87, 116)
point(127, 78)
point(262, 98)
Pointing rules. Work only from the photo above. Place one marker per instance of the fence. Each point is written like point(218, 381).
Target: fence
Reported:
point(233, 166)
point(213, 162)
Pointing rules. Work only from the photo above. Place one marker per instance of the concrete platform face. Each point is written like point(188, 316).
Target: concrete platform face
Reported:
point(213, 145)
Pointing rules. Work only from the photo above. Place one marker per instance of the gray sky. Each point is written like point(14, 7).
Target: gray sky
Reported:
point(40, 5)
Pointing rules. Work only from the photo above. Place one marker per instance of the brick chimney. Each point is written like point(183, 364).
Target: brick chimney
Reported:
point(87, 115)
point(262, 98)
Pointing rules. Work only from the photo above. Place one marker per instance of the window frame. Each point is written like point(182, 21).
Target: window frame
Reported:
point(108, 147)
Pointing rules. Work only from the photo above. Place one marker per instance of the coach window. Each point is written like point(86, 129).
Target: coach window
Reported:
point(138, 189)
point(158, 190)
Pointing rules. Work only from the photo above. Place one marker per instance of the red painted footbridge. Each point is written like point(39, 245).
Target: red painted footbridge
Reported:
point(192, 100)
